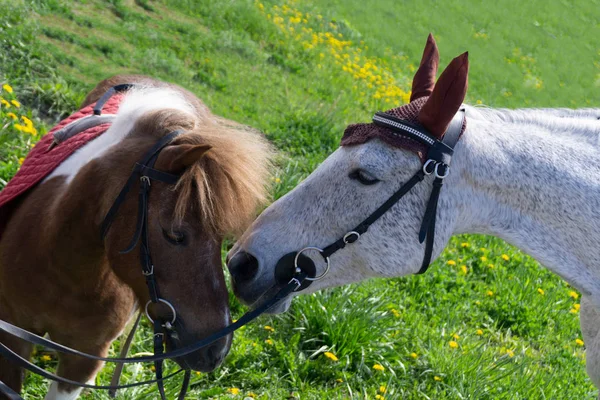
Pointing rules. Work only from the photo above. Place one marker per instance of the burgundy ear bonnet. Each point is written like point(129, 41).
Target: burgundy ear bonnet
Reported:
point(432, 106)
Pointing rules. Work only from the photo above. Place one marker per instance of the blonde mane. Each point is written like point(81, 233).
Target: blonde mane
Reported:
point(231, 181)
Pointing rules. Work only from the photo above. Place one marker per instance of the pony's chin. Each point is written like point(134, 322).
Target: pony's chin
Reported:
point(280, 307)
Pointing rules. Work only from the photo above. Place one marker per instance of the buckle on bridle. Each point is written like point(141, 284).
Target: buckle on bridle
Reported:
point(148, 273)
point(437, 169)
point(145, 179)
point(426, 169)
point(296, 282)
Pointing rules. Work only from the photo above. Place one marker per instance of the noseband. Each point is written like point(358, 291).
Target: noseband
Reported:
point(439, 155)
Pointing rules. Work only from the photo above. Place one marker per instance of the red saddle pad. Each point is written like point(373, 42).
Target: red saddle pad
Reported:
point(40, 162)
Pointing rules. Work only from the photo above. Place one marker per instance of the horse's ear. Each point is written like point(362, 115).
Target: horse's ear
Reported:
point(177, 158)
point(447, 96)
point(424, 79)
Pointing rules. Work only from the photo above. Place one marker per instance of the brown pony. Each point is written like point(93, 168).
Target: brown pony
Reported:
point(58, 277)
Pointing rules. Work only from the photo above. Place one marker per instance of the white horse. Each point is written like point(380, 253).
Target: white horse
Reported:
point(530, 177)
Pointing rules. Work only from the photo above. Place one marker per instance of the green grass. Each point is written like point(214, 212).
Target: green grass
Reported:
point(245, 61)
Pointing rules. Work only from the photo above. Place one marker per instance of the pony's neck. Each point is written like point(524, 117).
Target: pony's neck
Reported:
point(535, 187)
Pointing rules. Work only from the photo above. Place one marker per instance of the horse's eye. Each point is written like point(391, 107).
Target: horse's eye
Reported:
point(174, 237)
point(363, 177)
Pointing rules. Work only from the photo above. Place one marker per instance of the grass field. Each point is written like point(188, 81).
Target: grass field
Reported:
point(486, 321)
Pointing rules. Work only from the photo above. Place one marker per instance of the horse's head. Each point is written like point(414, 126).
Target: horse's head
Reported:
point(370, 166)
point(222, 174)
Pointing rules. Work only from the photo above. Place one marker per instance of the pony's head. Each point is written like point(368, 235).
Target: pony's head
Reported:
point(222, 171)
point(372, 164)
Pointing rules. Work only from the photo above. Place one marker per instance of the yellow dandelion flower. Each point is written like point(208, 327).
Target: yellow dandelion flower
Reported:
point(437, 378)
point(491, 266)
point(46, 357)
point(379, 397)
point(505, 257)
point(479, 332)
point(269, 341)
point(574, 295)
point(510, 353)
point(453, 344)
point(489, 293)
point(464, 269)
point(541, 291)
point(20, 128)
point(198, 373)
point(27, 121)
point(464, 244)
point(7, 88)
point(269, 328)
point(451, 262)
point(12, 115)
point(577, 306)
point(331, 356)
point(234, 390)
point(16, 103)
point(455, 336)
point(382, 389)
point(395, 312)
point(378, 367)
point(21, 160)
point(579, 342)
point(414, 355)
point(573, 311)
point(483, 258)
point(5, 103)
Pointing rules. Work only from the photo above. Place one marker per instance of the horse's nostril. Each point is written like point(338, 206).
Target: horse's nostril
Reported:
point(243, 266)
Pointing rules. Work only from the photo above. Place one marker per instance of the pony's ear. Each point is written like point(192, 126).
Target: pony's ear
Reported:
point(177, 158)
point(424, 79)
point(447, 96)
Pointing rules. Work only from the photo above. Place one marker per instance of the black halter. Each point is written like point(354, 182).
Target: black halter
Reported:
point(439, 155)
point(164, 330)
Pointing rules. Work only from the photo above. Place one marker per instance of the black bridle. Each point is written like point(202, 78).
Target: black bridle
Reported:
point(164, 329)
point(438, 158)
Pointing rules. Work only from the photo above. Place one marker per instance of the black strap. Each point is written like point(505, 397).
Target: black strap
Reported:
point(108, 94)
point(158, 350)
point(140, 169)
point(10, 355)
point(185, 384)
point(32, 338)
point(364, 226)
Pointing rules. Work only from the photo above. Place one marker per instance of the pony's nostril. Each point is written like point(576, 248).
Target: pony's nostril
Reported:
point(243, 266)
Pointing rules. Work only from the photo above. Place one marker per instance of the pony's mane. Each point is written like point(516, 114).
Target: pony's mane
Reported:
point(230, 182)
point(561, 121)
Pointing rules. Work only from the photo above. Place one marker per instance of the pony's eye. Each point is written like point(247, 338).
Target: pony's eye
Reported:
point(363, 177)
point(174, 237)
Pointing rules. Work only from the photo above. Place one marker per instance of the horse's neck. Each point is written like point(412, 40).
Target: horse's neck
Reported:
point(536, 188)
